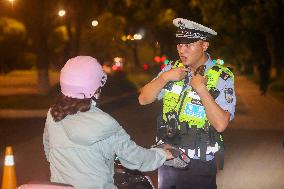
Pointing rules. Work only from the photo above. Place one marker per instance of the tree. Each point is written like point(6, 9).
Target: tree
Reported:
point(104, 40)
point(12, 41)
point(153, 19)
point(39, 18)
point(266, 17)
point(244, 21)
point(79, 15)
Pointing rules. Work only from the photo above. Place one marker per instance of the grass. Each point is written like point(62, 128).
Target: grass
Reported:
point(26, 101)
point(25, 77)
point(18, 89)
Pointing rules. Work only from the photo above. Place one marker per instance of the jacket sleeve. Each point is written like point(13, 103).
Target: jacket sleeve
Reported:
point(133, 156)
point(46, 140)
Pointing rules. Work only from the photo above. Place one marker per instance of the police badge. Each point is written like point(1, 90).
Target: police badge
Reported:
point(224, 75)
point(229, 95)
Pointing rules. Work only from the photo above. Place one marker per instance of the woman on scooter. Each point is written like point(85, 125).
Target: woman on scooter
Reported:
point(80, 140)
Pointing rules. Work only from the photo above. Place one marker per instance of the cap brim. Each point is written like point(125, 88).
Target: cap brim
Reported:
point(185, 40)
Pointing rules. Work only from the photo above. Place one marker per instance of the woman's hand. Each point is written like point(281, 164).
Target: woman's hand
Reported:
point(167, 148)
point(169, 154)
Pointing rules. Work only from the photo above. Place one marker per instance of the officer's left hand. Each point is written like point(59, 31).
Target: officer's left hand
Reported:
point(198, 83)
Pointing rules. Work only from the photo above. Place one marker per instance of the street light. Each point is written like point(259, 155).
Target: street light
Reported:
point(129, 37)
point(12, 3)
point(95, 23)
point(134, 45)
point(124, 38)
point(61, 13)
point(137, 36)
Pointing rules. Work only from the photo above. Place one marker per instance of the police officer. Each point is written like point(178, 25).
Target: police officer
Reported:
point(198, 104)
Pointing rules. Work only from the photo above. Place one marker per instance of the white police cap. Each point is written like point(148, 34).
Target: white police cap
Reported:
point(189, 31)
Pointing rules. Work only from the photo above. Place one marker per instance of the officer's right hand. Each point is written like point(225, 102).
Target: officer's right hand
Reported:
point(175, 74)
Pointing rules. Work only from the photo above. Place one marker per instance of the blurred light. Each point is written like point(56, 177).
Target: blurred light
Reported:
point(157, 59)
point(129, 37)
point(95, 23)
point(124, 38)
point(157, 44)
point(220, 61)
point(132, 37)
point(114, 68)
point(145, 67)
point(137, 36)
point(118, 61)
point(106, 68)
point(61, 13)
point(117, 64)
point(142, 32)
point(166, 62)
point(12, 3)
point(163, 58)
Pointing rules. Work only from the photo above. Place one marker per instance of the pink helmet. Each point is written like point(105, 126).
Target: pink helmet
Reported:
point(46, 186)
point(81, 76)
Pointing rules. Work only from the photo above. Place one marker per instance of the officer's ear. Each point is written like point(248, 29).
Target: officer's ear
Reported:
point(205, 45)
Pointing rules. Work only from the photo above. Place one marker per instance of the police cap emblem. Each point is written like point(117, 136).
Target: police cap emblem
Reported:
point(189, 31)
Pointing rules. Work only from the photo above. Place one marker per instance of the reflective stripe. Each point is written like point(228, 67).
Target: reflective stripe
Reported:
point(9, 160)
point(193, 95)
point(210, 150)
point(191, 153)
point(176, 89)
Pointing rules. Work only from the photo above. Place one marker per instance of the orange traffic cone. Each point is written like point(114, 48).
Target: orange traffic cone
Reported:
point(9, 174)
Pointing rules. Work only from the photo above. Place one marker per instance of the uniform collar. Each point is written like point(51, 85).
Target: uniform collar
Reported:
point(209, 63)
point(93, 104)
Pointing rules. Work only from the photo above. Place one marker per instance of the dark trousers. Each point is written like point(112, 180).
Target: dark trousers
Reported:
point(198, 175)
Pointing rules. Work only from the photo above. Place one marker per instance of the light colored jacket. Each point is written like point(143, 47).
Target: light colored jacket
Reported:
point(81, 149)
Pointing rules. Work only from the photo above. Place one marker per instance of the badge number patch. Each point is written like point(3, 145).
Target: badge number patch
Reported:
point(194, 110)
point(229, 95)
point(224, 75)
